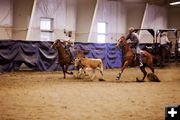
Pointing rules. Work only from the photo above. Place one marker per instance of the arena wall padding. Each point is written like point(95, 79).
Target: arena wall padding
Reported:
point(39, 55)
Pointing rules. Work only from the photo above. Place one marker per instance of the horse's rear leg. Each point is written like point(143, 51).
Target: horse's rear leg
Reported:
point(144, 72)
point(151, 67)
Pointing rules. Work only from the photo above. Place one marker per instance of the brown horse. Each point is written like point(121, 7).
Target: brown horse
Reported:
point(63, 56)
point(129, 59)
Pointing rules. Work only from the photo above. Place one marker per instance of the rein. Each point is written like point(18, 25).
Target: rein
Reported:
point(125, 50)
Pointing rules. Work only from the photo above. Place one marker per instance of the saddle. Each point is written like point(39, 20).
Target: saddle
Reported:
point(135, 59)
point(68, 52)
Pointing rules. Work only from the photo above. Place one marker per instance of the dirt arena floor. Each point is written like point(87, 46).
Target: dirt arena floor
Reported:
point(29, 95)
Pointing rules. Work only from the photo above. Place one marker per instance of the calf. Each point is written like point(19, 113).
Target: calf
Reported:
point(86, 63)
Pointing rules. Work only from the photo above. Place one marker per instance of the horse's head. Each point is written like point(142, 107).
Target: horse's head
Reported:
point(121, 42)
point(57, 43)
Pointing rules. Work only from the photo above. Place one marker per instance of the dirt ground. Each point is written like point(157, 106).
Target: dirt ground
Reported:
point(29, 95)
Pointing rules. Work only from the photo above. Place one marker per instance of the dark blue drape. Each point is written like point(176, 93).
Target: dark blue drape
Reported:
point(110, 55)
point(39, 56)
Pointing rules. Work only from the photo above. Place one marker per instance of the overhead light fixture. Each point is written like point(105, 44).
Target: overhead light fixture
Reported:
point(175, 3)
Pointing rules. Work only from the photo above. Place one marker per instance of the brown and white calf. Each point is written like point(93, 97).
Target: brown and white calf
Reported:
point(89, 63)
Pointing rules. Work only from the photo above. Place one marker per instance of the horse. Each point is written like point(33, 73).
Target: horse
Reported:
point(63, 56)
point(160, 52)
point(129, 59)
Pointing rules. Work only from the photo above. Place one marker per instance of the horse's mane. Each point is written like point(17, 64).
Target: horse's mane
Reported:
point(123, 37)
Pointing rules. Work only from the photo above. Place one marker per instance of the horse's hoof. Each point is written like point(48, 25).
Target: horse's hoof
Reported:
point(137, 80)
point(101, 79)
point(118, 76)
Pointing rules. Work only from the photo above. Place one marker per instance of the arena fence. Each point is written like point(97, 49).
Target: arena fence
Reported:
point(38, 55)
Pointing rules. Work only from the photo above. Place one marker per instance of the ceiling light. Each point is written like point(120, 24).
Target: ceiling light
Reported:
point(175, 3)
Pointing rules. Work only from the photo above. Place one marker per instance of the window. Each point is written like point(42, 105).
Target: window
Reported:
point(46, 24)
point(101, 31)
point(46, 27)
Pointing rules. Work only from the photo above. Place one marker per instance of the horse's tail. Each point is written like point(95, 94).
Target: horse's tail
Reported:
point(150, 58)
point(156, 59)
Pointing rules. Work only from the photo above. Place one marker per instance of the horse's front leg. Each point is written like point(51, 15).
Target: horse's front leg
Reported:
point(66, 70)
point(124, 65)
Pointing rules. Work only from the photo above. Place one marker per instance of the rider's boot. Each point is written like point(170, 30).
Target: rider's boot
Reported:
point(140, 60)
point(71, 58)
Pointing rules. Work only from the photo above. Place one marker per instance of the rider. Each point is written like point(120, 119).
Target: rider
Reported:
point(135, 44)
point(164, 39)
point(69, 46)
point(164, 46)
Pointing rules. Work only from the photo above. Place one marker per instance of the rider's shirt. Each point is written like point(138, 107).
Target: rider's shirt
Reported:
point(134, 41)
point(164, 40)
point(134, 38)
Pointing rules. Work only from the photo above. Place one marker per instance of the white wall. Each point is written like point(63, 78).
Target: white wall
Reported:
point(63, 13)
point(85, 11)
point(155, 17)
point(135, 13)
point(78, 18)
point(21, 16)
point(114, 14)
point(6, 19)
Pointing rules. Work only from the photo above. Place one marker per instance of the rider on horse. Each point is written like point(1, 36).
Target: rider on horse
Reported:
point(135, 44)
